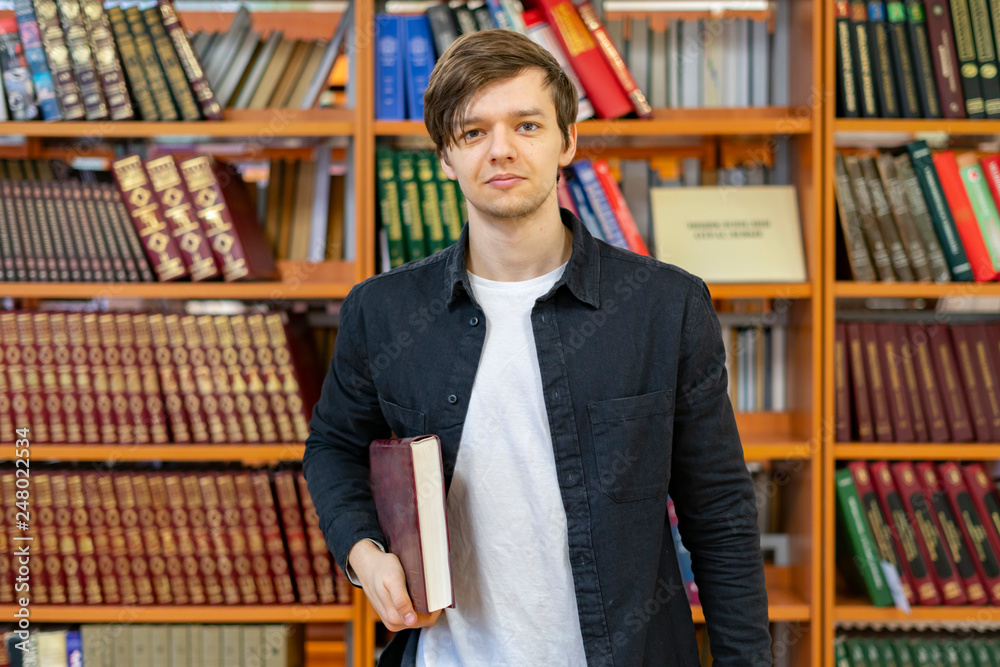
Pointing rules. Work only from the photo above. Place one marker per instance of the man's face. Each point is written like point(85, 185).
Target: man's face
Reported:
point(510, 149)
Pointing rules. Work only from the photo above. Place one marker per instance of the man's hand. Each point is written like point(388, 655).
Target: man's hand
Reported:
point(384, 582)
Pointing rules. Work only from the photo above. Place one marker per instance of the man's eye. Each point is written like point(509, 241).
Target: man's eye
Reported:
point(530, 127)
point(471, 134)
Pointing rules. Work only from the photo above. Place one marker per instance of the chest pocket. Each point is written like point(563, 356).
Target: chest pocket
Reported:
point(405, 423)
point(632, 443)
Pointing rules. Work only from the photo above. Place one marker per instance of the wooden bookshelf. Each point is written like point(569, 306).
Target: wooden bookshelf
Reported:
point(916, 126)
point(917, 451)
point(292, 613)
point(255, 454)
point(856, 610)
point(849, 289)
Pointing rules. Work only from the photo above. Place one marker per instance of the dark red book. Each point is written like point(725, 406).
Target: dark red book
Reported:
point(984, 499)
point(322, 567)
point(415, 524)
point(908, 367)
point(973, 529)
point(951, 533)
point(904, 534)
point(273, 542)
point(971, 382)
point(895, 382)
point(295, 535)
point(877, 390)
point(949, 383)
point(930, 394)
point(929, 540)
point(942, 43)
point(990, 374)
point(859, 383)
point(841, 384)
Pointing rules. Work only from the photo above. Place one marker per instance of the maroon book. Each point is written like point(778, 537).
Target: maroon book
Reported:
point(895, 382)
point(927, 381)
point(273, 542)
point(950, 384)
point(929, 539)
point(911, 382)
point(877, 390)
point(984, 499)
point(859, 383)
point(971, 523)
point(841, 382)
point(946, 75)
point(904, 534)
point(407, 479)
point(322, 567)
point(971, 381)
point(295, 536)
point(951, 533)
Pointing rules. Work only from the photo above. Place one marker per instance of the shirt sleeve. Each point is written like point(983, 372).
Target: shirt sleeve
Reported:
point(345, 419)
point(713, 495)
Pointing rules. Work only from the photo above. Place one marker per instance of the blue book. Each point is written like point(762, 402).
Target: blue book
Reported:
point(499, 17)
point(419, 63)
point(389, 101)
point(45, 90)
point(599, 203)
point(74, 649)
point(582, 205)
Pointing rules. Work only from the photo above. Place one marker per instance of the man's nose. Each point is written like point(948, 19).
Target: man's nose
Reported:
point(501, 145)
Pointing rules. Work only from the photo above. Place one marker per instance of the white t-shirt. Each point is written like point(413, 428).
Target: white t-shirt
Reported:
point(515, 603)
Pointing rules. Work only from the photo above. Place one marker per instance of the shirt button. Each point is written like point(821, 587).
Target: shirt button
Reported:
point(453, 399)
point(474, 321)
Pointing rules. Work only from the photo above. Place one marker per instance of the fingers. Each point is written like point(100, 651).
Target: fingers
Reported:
point(396, 604)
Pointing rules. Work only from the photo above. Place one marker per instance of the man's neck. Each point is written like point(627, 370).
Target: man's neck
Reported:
point(515, 250)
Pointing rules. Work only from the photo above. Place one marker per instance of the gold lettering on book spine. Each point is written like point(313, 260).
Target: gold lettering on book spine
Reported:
point(937, 416)
point(209, 206)
point(142, 208)
point(989, 388)
point(167, 183)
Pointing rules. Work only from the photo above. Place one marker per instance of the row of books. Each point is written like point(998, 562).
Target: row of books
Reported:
point(914, 215)
point(167, 538)
point(755, 366)
point(249, 69)
point(406, 46)
point(917, 59)
point(700, 63)
point(895, 382)
point(918, 650)
point(156, 645)
point(137, 378)
point(167, 220)
point(934, 525)
point(95, 60)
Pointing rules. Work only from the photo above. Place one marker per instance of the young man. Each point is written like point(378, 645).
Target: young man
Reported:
point(573, 386)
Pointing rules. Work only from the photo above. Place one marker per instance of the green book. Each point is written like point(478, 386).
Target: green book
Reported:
point(904, 656)
point(981, 650)
point(922, 654)
point(966, 657)
point(873, 655)
point(840, 658)
point(886, 653)
point(388, 201)
point(985, 209)
point(430, 206)
point(861, 542)
point(448, 197)
point(937, 206)
point(413, 224)
point(857, 653)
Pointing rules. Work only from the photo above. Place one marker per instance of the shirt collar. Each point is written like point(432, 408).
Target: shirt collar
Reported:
point(582, 275)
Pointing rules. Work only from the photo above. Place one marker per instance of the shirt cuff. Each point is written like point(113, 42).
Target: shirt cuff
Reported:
point(349, 571)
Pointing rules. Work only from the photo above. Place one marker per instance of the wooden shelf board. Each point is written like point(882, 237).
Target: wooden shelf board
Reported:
point(858, 610)
point(236, 123)
point(760, 290)
point(896, 126)
point(293, 613)
point(917, 451)
point(846, 288)
point(764, 121)
point(760, 451)
point(299, 280)
point(207, 452)
point(783, 604)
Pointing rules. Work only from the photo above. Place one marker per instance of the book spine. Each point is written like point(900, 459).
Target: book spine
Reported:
point(946, 72)
point(147, 218)
point(116, 378)
point(929, 540)
point(430, 208)
point(619, 207)
point(20, 255)
point(598, 80)
point(932, 396)
point(956, 407)
point(30, 242)
point(861, 54)
point(321, 562)
point(873, 234)
point(924, 166)
point(91, 256)
point(876, 386)
point(232, 521)
point(984, 502)
point(132, 532)
point(138, 416)
point(389, 205)
point(228, 220)
point(410, 206)
point(132, 63)
point(124, 265)
point(109, 67)
point(916, 24)
point(173, 402)
point(82, 386)
point(53, 228)
point(901, 60)
point(878, 40)
point(49, 389)
point(883, 216)
point(202, 376)
point(172, 70)
point(847, 96)
point(892, 375)
point(52, 579)
point(220, 379)
point(419, 61)
point(81, 541)
point(236, 382)
point(180, 521)
point(986, 55)
point(968, 65)
point(979, 342)
point(100, 383)
point(269, 375)
point(111, 259)
point(106, 574)
point(296, 374)
point(862, 405)
point(207, 564)
point(451, 210)
point(254, 384)
point(970, 383)
point(220, 544)
point(193, 70)
point(614, 59)
point(10, 245)
point(114, 518)
point(60, 67)
point(256, 550)
point(184, 369)
point(45, 90)
point(951, 534)
point(541, 33)
point(78, 43)
point(920, 216)
point(841, 372)
point(83, 251)
point(179, 212)
point(150, 64)
point(46, 259)
point(124, 231)
point(587, 178)
point(65, 386)
point(390, 99)
point(984, 211)
point(147, 356)
point(896, 193)
point(983, 552)
point(291, 514)
point(274, 544)
point(905, 358)
point(862, 542)
point(888, 549)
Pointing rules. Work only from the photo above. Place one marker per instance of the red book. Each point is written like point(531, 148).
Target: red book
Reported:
point(965, 217)
point(599, 81)
point(565, 199)
point(895, 383)
point(614, 59)
point(927, 382)
point(877, 390)
point(984, 499)
point(207, 563)
point(273, 542)
point(971, 382)
point(167, 537)
point(949, 383)
point(929, 540)
point(255, 537)
point(903, 534)
point(889, 549)
point(862, 407)
point(908, 368)
point(990, 373)
point(971, 523)
point(182, 535)
point(295, 536)
point(414, 523)
point(625, 221)
point(322, 567)
point(842, 395)
point(951, 533)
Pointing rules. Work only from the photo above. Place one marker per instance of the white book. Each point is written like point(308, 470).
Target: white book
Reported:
point(743, 63)
point(730, 63)
point(350, 209)
point(673, 64)
point(780, 54)
point(320, 211)
point(690, 55)
point(760, 64)
point(778, 368)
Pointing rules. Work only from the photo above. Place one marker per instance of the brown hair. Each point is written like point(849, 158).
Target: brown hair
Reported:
point(478, 59)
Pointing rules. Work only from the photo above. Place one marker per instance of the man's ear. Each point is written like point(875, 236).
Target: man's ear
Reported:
point(569, 148)
point(446, 166)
